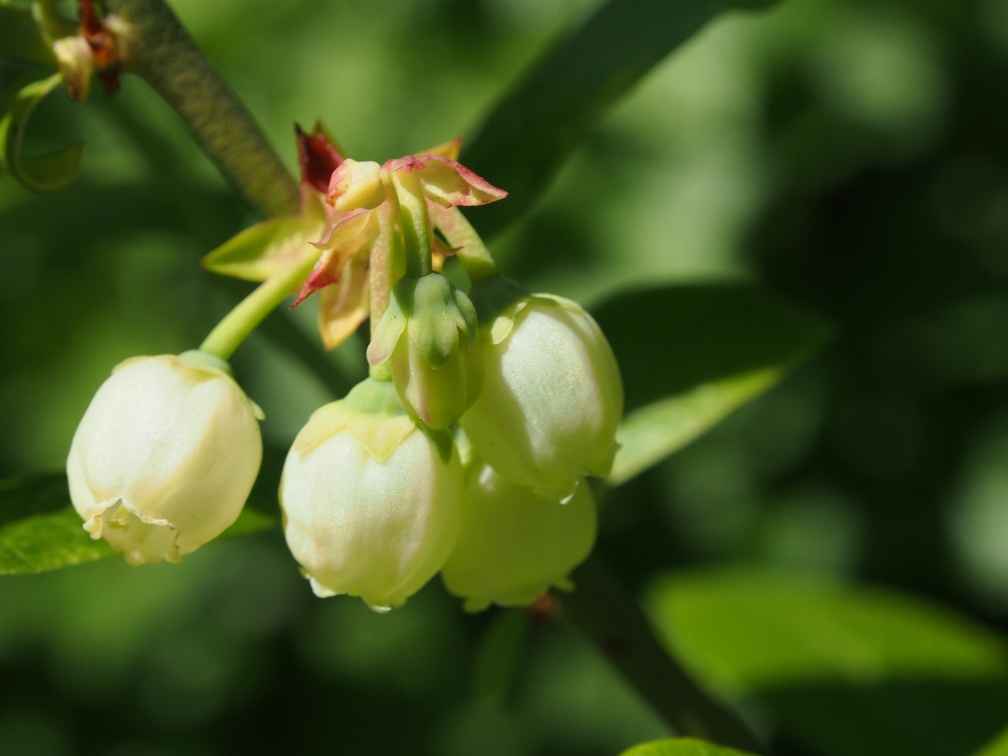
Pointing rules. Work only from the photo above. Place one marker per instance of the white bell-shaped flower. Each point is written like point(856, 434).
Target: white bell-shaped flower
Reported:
point(165, 456)
point(552, 397)
point(516, 545)
point(371, 502)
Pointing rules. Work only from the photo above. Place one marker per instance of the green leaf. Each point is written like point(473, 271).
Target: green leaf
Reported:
point(529, 134)
point(819, 655)
point(47, 542)
point(692, 354)
point(30, 495)
point(681, 747)
point(997, 747)
point(756, 629)
point(656, 431)
point(257, 252)
point(42, 173)
point(39, 532)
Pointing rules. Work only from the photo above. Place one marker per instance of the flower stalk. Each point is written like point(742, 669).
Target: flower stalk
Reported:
point(236, 326)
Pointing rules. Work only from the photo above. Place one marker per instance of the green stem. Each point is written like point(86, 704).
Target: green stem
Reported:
point(416, 225)
point(52, 21)
point(227, 335)
point(162, 53)
point(601, 609)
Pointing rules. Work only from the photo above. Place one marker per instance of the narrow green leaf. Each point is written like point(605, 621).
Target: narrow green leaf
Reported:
point(39, 532)
point(42, 173)
point(692, 354)
point(818, 655)
point(527, 137)
point(682, 747)
point(656, 431)
point(51, 171)
point(997, 747)
point(257, 252)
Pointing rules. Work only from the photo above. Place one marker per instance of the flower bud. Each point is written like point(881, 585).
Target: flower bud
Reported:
point(552, 398)
point(165, 456)
point(77, 63)
point(514, 544)
point(429, 336)
point(371, 503)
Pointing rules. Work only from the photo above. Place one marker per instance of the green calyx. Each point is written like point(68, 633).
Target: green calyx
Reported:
point(371, 413)
point(208, 360)
point(433, 314)
point(374, 415)
point(428, 339)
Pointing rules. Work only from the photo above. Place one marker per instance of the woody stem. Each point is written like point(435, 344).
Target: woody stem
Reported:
point(160, 51)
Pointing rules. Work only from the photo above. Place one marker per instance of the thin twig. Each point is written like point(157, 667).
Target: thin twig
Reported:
point(163, 54)
point(601, 609)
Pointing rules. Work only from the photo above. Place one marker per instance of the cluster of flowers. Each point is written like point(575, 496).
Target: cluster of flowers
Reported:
point(464, 452)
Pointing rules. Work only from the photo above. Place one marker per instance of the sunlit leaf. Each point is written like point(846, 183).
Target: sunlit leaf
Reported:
point(916, 677)
point(657, 430)
point(681, 747)
point(47, 172)
point(692, 354)
point(527, 137)
point(40, 532)
point(47, 542)
point(997, 747)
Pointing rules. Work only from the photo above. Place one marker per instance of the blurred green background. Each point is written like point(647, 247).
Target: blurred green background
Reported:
point(850, 154)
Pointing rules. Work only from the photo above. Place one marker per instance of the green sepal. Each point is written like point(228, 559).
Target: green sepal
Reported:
point(371, 412)
point(427, 338)
point(43, 173)
point(388, 331)
point(440, 313)
point(209, 360)
point(256, 253)
point(435, 312)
